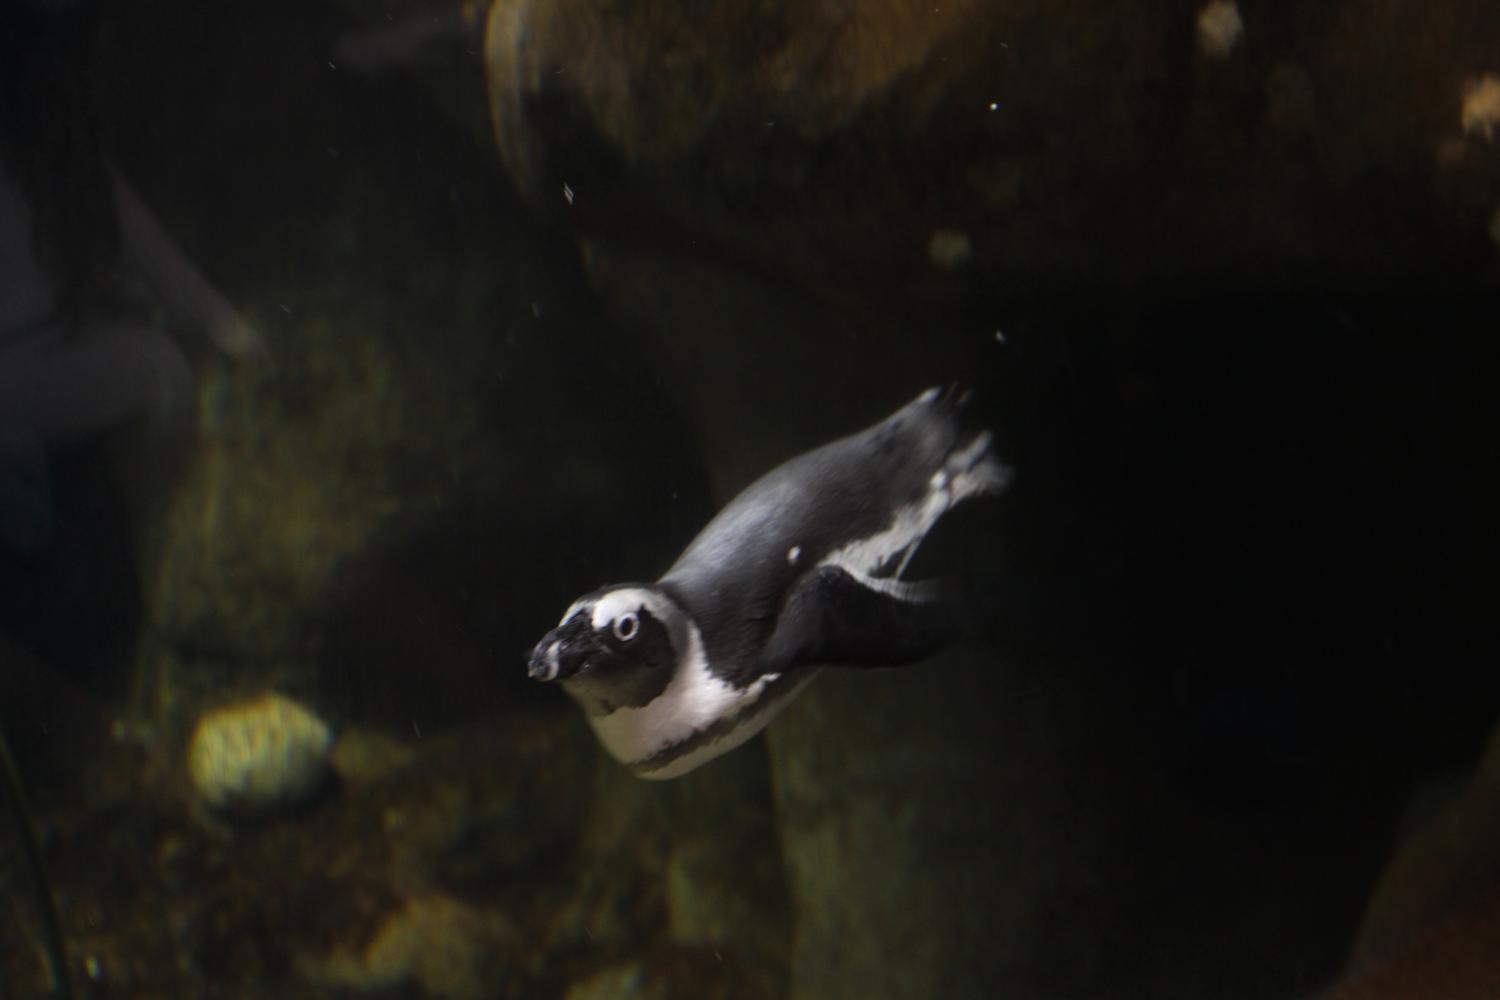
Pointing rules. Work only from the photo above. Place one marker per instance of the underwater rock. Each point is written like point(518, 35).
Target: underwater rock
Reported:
point(472, 809)
point(725, 895)
point(1139, 135)
point(1481, 107)
point(260, 755)
point(666, 973)
point(442, 945)
point(616, 981)
point(1432, 926)
point(367, 756)
point(685, 863)
point(1219, 28)
point(910, 875)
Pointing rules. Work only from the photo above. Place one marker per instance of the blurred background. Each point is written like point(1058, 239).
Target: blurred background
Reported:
point(342, 345)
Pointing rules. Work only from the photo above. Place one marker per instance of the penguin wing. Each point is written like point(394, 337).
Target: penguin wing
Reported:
point(833, 618)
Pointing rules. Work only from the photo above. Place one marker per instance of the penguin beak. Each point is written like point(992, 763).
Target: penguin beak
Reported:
point(544, 665)
point(564, 651)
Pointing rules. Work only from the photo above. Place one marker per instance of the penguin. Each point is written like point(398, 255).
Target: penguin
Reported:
point(803, 569)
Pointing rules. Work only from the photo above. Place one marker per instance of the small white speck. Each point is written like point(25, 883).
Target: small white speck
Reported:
point(416, 728)
point(940, 480)
point(331, 65)
point(994, 105)
point(793, 554)
point(567, 193)
point(999, 336)
point(286, 309)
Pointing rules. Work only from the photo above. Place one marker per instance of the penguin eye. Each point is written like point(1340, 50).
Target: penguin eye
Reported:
point(626, 626)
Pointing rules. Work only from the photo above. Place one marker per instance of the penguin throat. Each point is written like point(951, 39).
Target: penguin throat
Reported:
point(697, 710)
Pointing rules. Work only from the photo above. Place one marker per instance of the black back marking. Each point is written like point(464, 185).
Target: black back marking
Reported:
point(832, 619)
point(735, 578)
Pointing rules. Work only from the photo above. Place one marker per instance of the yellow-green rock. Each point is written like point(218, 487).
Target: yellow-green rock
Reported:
point(259, 755)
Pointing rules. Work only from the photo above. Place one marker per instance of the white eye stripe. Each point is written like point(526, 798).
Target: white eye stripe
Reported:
point(604, 609)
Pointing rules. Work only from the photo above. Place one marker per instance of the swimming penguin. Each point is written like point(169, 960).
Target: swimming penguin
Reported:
point(803, 569)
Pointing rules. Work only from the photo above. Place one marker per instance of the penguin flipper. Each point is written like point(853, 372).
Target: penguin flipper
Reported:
point(833, 618)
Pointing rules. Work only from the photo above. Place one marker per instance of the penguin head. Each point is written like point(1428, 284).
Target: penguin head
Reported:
point(615, 647)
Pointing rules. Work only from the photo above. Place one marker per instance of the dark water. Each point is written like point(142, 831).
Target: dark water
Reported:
point(395, 397)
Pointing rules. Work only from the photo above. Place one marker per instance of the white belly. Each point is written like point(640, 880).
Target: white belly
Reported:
point(695, 706)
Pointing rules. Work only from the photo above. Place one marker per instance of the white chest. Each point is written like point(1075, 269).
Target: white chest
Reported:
point(697, 712)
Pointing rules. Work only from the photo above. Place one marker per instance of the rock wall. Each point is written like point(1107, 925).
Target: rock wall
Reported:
point(1063, 142)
